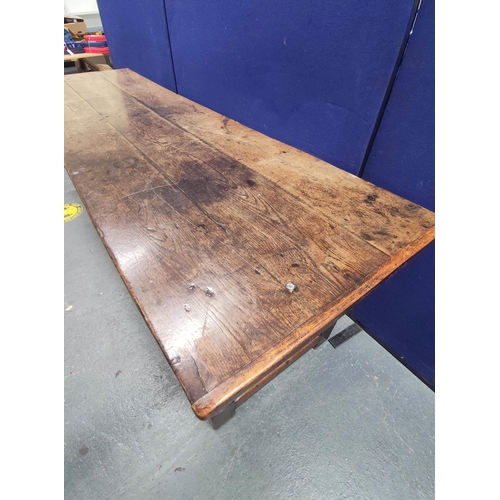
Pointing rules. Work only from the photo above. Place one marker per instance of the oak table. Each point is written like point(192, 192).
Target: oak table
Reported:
point(239, 251)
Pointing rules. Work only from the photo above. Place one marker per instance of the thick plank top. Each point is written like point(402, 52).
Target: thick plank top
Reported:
point(207, 221)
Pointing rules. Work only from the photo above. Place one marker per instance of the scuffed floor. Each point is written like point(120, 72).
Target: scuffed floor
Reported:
point(348, 423)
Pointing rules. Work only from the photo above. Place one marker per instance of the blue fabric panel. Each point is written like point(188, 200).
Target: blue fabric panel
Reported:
point(137, 36)
point(400, 313)
point(311, 74)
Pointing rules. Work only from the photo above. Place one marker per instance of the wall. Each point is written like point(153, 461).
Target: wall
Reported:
point(138, 38)
point(312, 74)
point(400, 313)
point(87, 9)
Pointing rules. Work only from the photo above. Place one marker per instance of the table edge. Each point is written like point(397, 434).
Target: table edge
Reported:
point(229, 390)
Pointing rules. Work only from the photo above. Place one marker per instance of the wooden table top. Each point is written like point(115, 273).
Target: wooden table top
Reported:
point(86, 55)
point(207, 221)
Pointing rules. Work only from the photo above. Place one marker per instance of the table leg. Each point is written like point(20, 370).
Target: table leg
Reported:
point(79, 66)
point(325, 334)
point(222, 417)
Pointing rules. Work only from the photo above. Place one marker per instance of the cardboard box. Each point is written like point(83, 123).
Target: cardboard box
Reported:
point(77, 28)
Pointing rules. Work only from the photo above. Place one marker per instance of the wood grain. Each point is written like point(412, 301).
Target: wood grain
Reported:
point(369, 211)
point(207, 221)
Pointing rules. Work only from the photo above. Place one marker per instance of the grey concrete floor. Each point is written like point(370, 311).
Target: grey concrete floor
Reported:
point(347, 423)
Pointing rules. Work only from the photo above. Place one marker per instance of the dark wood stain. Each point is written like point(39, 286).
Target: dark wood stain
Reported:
point(204, 191)
point(125, 163)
